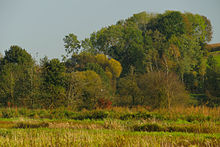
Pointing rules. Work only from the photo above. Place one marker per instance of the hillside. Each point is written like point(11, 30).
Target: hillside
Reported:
point(214, 47)
point(215, 51)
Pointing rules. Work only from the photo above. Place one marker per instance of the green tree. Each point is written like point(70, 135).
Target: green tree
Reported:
point(200, 27)
point(190, 54)
point(129, 92)
point(123, 43)
point(87, 46)
point(79, 61)
point(212, 82)
point(72, 44)
point(84, 89)
point(170, 23)
point(17, 55)
point(16, 77)
point(53, 85)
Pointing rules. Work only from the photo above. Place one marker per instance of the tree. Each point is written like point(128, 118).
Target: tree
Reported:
point(128, 90)
point(18, 55)
point(190, 54)
point(200, 27)
point(170, 23)
point(155, 46)
point(162, 90)
point(84, 89)
point(141, 20)
point(72, 45)
point(16, 77)
point(123, 43)
point(98, 63)
point(53, 85)
point(87, 46)
point(212, 82)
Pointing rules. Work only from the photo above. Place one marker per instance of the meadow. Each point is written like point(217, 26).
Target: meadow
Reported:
point(117, 126)
point(216, 56)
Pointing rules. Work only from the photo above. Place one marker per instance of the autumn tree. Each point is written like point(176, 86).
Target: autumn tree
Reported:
point(162, 90)
point(84, 89)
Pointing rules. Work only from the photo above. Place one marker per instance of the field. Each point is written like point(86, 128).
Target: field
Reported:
point(215, 51)
point(216, 56)
point(194, 126)
point(214, 47)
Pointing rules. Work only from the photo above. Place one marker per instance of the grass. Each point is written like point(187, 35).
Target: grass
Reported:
point(215, 51)
point(118, 126)
point(216, 56)
point(83, 137)
point(213, 47)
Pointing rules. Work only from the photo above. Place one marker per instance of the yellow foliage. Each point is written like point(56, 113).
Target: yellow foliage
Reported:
point(108, 74)
point(194, 73)
point(88, 76)
point(101, 59)
point(110, 65)
point(115, 67)
point(174, 51)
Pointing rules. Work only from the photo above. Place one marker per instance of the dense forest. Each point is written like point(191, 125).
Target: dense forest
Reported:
point(153, 60)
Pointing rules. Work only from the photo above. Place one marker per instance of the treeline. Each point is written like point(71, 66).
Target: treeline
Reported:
point(155, 60)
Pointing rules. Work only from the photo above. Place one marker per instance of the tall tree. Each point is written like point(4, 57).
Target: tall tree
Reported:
point(170, 23)
point(123, 43)
point(162, 90)
point(16, 81)
point(72, 44)
point(212, 82)
point(53, 85)
point(84, 89)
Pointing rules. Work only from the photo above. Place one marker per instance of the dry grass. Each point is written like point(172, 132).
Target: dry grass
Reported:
point(67, 137)
point(213, 47)
point(172, 128)
point(202, 110)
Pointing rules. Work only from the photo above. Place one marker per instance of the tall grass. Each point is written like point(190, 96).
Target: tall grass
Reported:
point(66, 137)
point(117, 126)
point(185, 113)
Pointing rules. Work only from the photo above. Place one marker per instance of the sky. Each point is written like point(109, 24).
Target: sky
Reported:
point(39, 26)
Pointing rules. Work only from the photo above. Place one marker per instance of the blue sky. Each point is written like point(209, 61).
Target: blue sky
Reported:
point(39, 26)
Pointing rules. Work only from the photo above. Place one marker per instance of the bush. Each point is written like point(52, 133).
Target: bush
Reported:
point(25, 125)
point(139, 115)
point(9, 113)
point(149, 127)
point(91, 115)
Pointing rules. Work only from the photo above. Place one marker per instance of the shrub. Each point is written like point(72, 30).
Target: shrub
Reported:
point(139, 115)
point(32, 125)
point(9, 113)
point(91, 115)
point(104, 103)
point(149, 127)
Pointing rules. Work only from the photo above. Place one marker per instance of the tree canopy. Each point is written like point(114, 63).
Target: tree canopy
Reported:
point(147, 59)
